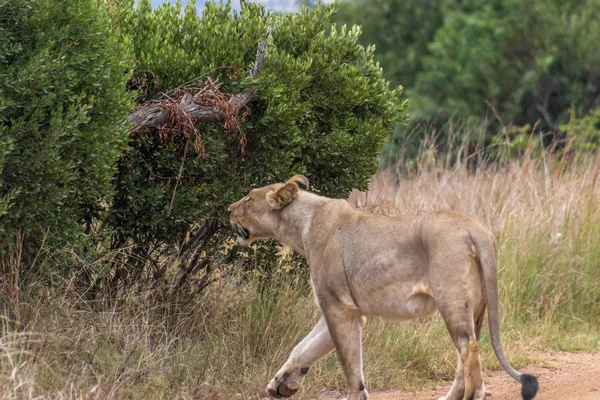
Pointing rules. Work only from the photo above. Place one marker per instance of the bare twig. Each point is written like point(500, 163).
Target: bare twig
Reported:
point(543, 109)
point(187, 144)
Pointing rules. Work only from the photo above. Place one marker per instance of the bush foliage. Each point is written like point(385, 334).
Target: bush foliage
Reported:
point(69, 72)
point(323, 110)
point(63, 71)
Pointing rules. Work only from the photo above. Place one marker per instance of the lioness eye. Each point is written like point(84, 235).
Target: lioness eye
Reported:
point(247, 198)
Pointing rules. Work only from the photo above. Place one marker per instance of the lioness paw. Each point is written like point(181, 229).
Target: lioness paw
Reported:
point(287, 382)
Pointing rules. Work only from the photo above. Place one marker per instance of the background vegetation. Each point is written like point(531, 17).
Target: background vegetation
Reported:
point(118, 275)
point(159, 204)
point(502, 63)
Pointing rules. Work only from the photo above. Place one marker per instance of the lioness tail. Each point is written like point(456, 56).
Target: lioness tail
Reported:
point(486, 252)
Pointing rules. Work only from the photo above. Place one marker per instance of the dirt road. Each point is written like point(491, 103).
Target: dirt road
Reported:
point(562, 376)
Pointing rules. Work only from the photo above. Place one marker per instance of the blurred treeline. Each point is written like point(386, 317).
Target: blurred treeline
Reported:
point(511, 69)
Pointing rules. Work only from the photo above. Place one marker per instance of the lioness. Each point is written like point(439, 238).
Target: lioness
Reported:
point(395, 267)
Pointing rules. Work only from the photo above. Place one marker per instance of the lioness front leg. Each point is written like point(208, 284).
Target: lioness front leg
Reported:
point(315, 345)
point(346, 330)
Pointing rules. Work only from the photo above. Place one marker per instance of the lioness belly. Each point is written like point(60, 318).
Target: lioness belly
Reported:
point(400, 302)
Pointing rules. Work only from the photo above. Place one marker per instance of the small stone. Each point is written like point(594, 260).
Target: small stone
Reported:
point(594, 389)
point(489, 394)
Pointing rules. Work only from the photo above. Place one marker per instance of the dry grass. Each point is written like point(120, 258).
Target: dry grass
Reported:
point(226, 344)
point(544, 212)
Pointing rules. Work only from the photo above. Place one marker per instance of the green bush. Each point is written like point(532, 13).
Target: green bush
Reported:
point(583, 133)
point(323, 109)
point(63, 104)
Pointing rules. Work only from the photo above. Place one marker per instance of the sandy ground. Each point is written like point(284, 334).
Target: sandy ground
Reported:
point(562, 376)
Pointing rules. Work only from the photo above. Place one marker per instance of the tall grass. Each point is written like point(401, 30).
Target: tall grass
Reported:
point(226, 344)
point(544, 211)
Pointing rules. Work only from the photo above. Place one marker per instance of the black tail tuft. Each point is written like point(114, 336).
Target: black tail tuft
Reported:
point(530, 386)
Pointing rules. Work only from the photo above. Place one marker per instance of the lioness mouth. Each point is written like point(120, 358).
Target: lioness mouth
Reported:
point(240, 230)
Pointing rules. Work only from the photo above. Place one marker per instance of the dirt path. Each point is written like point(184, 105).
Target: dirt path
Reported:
point(562, 376)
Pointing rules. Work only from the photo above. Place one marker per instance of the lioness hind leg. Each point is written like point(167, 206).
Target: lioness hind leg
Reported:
point(468, 382)
point(463, 313)
point(474, 387)
point(457, 391)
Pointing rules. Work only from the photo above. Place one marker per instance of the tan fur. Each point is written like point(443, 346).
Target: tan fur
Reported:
point(374, 265)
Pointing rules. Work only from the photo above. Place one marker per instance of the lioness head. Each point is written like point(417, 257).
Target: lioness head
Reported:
point(257, 215)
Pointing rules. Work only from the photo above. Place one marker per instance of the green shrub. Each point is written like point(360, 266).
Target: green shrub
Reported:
point(583, 133)
point(323, 109)
point(63, 105)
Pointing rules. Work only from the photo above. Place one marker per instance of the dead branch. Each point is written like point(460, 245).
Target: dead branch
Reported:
point(155, 115)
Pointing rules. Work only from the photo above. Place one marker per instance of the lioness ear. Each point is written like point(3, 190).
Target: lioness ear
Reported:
point(282, 196)
point(300, 180)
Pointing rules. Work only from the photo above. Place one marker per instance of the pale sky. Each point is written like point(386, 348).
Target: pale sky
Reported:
point(275, 5)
